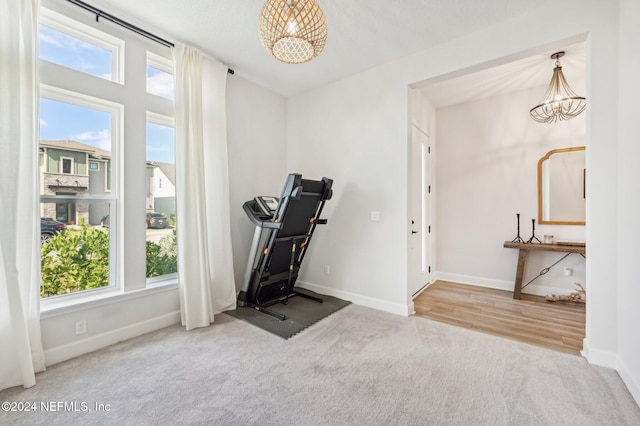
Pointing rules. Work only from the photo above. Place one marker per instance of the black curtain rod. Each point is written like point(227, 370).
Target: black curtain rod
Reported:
point(100, 14)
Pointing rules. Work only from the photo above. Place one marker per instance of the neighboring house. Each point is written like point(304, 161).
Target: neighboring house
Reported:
point(161, 190)
point(76, 169)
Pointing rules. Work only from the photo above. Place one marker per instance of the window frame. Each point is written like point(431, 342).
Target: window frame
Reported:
point(166, 121)
point(71, 166)
point(88, 34)
point(67, 83)
point(116, 111)
point(161, 64)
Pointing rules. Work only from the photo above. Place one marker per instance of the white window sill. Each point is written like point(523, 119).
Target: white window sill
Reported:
point(62, 305)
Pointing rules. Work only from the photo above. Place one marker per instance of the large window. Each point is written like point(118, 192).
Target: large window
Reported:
point(159, 76)
point(71, 44)
point(161, 198)
point(106, 159)
point(74, 129)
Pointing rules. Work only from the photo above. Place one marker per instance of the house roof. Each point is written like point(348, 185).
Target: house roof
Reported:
point(70, 145)
point(168, 169)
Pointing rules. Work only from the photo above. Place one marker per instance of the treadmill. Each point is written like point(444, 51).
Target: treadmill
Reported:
point(284, 228)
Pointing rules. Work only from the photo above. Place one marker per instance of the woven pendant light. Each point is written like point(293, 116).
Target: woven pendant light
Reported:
point(293, 31)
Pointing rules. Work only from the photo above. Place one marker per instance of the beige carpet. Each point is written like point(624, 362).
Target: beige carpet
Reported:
point(356, 367)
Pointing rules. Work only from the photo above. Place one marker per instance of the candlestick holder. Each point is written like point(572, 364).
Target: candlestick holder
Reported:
point(533, 233)
point(517, 239)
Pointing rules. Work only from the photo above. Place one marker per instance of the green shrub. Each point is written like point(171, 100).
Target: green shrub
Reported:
point(74, 261)
point(162, 258)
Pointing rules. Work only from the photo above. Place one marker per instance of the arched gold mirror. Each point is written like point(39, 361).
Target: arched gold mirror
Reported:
point(562, 187)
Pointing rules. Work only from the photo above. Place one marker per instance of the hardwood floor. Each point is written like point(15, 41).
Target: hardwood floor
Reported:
point(532, 319)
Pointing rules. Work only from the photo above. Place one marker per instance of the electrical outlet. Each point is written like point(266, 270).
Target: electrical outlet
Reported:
point(81, 327)
point(327, 269)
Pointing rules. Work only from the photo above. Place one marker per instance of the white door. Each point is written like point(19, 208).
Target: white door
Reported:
point(419, 226)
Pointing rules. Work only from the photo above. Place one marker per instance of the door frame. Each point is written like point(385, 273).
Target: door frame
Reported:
point(426, 181)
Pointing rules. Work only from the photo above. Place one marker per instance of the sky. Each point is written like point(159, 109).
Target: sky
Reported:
point(63, 121)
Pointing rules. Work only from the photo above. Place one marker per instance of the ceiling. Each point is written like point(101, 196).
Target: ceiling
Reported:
point(510, 76)
point(362, 33)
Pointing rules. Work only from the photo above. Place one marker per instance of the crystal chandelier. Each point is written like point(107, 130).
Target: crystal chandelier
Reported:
point(559, 102)
point(293, 31)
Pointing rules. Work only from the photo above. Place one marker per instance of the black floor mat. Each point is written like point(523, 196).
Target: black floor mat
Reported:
point(300, 312)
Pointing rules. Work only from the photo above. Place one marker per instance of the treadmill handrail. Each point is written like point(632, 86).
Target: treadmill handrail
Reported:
point(256, 221)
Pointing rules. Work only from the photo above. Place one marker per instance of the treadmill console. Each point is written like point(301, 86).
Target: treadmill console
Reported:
point(267, 205)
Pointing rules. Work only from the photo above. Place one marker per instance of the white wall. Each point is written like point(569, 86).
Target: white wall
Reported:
point(256, 134)
point(486, 172)
point(629, 198)
point(355, 131)
point(108, 321)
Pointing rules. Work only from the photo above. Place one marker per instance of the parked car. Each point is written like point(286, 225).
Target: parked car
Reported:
point(156, 220)
point(49, 228)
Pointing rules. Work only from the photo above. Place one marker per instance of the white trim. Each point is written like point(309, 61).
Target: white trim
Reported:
point(116, 111)
point(493, 283)
point(100, 341)
point(161, 119)
point(75, 199)
point(631, 383)
point(599, 357)
point(613, 361)
point(51, 303)
point(94, 162)
point(411, 308)
point(106, 175)
point(90, 35)
point(61, 166)
point(477, 281)
point(163, 280)
point(160, 63)
point(369, 302)
point(51, 308)
point(85, 101)
point(163, 65)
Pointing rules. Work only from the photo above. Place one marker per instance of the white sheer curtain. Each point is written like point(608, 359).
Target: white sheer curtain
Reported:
point(21, 354)
point(205, 263)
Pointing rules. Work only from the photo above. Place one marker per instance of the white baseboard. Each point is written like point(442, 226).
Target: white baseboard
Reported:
point(369, 302)
point(631, 383)
point(499, 284)
point(599, 357)
point(93, 343)
point(412, 308)
point(612, 360)
point(477, 281)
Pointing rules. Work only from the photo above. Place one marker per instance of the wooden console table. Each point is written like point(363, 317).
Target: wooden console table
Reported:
point(525, 248)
